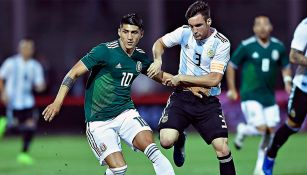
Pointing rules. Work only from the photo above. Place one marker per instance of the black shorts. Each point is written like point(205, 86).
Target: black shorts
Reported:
point(184, 108)
point(24, 114)
point(297, 105)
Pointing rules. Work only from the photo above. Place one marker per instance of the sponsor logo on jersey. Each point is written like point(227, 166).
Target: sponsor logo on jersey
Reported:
point(138, 66)
point(103, 147)
point(118, 66)
point(164, 119)
point(255, 55)
point(275, 54)
point(292, 113)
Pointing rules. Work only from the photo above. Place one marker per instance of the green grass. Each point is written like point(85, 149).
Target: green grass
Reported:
point(71, 155)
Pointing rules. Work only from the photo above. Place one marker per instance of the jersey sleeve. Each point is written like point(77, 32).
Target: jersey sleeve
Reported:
point(5, 68)
point(284, 59)
point(173, 38)
point(221, 58)
point(96, 56)
point(299, 41)
point(238, 56)
point(146, 62)
point(39, 74)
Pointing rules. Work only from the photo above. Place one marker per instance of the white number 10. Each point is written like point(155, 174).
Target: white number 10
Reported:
point(127, 77)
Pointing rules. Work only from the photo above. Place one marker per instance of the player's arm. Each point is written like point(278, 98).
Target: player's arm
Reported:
point(286, 74)
point(169, 40)
point(4, 98)
point(68, 81)
point(232, 92)
point(162, 78)
point(210, 80)
point(157, 50)
point(297, 57)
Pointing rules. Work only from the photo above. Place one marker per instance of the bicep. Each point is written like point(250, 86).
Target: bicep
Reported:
point(79, 69)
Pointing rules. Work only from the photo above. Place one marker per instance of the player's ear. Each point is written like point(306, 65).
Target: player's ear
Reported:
point(142, 33)
point(209, 21)
point(118, 31)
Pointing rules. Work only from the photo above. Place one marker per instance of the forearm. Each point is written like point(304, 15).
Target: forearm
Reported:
point(161, 77)
point(209, 80)
point(158, 50)
point(297, 57)
point(69, 80)
point(286, 73)
point(230, 76)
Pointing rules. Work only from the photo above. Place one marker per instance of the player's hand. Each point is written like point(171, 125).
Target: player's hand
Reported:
point(288, 87)
point(232, 94)
point(51, 111)
point(174, 81)
point(154, 68)
point(199, 91)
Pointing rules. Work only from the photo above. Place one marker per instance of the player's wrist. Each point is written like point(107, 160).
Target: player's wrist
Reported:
point(287, 79)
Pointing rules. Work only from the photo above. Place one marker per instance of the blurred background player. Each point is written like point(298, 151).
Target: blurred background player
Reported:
point(203, 60)
point(109, 111)
point(261, 57)
point(19, 76)
point(298, 98)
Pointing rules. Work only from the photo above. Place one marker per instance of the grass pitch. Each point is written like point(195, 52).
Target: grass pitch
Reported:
point(71, 155)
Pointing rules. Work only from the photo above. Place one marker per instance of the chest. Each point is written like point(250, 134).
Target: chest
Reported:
point(121, 65)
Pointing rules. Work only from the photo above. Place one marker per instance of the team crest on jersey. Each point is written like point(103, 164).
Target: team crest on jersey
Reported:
point(292, 113)
point(255, 55)
point(138, 66)
point(275, 55)
point(210, 53)
point(103, 147)
point(164, 119)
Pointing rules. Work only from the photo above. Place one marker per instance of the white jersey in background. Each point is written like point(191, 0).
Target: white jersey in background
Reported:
point(20, 76)
point(200, 57)
point(299, 42)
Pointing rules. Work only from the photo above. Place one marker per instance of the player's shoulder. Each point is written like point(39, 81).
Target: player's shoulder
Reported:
point(110, 45)
point(140, 51)
point(249, 41)
point(11, 59)
point(276, 41)
point(220, 37)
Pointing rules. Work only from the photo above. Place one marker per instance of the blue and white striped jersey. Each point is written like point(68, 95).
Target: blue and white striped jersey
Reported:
point(200, 57)
point(299, 42)
point(20, 77)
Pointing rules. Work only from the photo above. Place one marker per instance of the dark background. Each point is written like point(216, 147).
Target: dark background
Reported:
point(65, 30)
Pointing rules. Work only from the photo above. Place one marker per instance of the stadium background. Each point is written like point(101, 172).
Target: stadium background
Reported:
point(64, 30)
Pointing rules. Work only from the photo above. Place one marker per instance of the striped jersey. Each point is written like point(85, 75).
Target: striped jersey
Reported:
point(200, 57)
point(109, 85)
point(20, 76)
point(299, 42)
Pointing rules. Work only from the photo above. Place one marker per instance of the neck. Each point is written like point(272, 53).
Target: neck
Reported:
point(263, 40)
point(128, 51)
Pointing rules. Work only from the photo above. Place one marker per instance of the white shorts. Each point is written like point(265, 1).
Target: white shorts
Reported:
point(257, 115)
point(104, 136)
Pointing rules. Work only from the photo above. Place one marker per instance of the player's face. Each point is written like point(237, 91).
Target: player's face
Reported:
point(199, 26)
point(262, 27)
point(130, 36)
point(26, 49)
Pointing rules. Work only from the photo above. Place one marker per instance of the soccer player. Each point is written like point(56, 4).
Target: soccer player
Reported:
point(298, 98)
point(261, 57)
point(19, 76)
point(109, 111)
point(203, 58)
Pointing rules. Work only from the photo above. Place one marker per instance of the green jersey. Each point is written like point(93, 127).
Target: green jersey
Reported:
point(112, 73)
point(260, 65)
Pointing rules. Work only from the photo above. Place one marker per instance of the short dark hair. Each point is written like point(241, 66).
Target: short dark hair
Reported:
point(198, 7)
point(132, 19)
